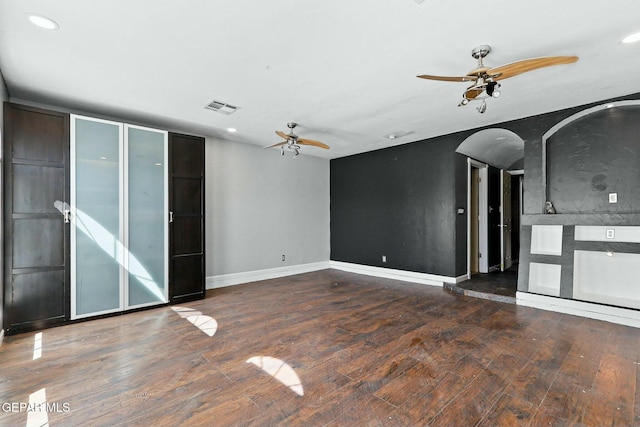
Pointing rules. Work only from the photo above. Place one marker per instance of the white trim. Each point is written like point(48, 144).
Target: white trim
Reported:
point(607, 313)
point(483, 220)
point(124, 217)
point(388, 273)
point(1, 336)
point(462, 278)
point(72, 207)
point(232, 279)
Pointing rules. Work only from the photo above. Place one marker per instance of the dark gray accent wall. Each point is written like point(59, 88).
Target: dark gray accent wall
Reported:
point(400, 202)
point(595, 153)
point(403, 201)
point(531, 130)
point(593, 156)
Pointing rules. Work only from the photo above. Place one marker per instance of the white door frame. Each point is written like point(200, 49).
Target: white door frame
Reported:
point(483, 216)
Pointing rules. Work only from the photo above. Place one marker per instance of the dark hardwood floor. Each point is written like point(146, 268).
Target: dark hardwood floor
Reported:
point(327, 349)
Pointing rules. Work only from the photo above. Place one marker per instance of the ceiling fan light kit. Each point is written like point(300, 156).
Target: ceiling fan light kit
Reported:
point(293, 142)
point(485, 79)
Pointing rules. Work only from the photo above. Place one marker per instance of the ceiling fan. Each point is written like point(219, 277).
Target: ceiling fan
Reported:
point(293, 141)
point(485, 79)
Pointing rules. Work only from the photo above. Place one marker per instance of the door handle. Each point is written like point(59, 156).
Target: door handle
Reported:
point(67, 216)
point(170, 216)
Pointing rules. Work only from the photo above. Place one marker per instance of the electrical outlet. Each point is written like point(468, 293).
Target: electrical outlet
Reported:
point(384, 258)
point(613, 197)
point(611, 233)
point(283, 257)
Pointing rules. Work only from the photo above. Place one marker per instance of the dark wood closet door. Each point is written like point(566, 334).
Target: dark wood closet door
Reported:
point(36, 244)
point(186, 227)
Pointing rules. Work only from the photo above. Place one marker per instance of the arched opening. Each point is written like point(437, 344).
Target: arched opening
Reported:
point(495, 163)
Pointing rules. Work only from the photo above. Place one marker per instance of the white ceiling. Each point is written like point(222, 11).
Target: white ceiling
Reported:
point(344, 70)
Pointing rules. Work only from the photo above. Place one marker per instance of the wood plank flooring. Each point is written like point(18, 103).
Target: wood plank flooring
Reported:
point(365, 351)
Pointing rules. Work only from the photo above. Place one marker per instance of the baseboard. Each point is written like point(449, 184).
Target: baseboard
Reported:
point(225, 280)
point(607, 313)
point(389, 273)
point(461, 278)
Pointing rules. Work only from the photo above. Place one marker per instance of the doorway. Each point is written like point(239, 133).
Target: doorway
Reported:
point(494, 201)
point(494, 205)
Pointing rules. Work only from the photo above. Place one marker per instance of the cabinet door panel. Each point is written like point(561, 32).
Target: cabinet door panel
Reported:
point(183, 229)
point(38, 243)
point(186, 272)
point(39, 135)
point(186, 232)
point(36, 240)
point(97, 251)
point(49, 286)
point(37, 189)
point(146, 211)
point(187, 196)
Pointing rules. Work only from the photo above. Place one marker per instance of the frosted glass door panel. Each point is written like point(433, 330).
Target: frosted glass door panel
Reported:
point(96, 216)
point(147, 216)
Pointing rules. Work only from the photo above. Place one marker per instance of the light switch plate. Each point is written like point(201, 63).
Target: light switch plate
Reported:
point(613, 197)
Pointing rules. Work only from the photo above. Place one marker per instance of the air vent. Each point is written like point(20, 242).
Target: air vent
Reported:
point(221, 107)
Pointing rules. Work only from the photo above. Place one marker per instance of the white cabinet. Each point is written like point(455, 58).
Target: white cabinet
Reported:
point(119, 217)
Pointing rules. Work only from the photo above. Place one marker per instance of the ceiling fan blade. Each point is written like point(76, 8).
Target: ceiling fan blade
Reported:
point(282, 134)
point(448, 79)
point(278, 144)
point(519, 67)
point(305, 141)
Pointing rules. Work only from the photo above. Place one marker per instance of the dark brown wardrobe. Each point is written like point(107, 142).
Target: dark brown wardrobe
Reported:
point(40, 220)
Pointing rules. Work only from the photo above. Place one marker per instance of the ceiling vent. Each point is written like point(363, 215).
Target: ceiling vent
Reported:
point(221, 107)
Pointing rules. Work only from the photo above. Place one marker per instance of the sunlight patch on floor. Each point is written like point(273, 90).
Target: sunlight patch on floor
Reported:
point(185, 312)
point(37, 346)
point(38, 416)
point(206, 324)
point(280, 371)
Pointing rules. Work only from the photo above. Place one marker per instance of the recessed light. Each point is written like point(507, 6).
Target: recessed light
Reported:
point(610, 105)
point(632, 38)
point(398, 134)
point(157, 164)
point(103, 158)
point(232, 130)
point(42, 22)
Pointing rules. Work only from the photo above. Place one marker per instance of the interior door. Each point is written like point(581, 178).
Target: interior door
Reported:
point(36, 239)
point(506, 221)
point(186, 228)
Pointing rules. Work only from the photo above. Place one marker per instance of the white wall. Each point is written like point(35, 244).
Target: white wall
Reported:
point(260, 205)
